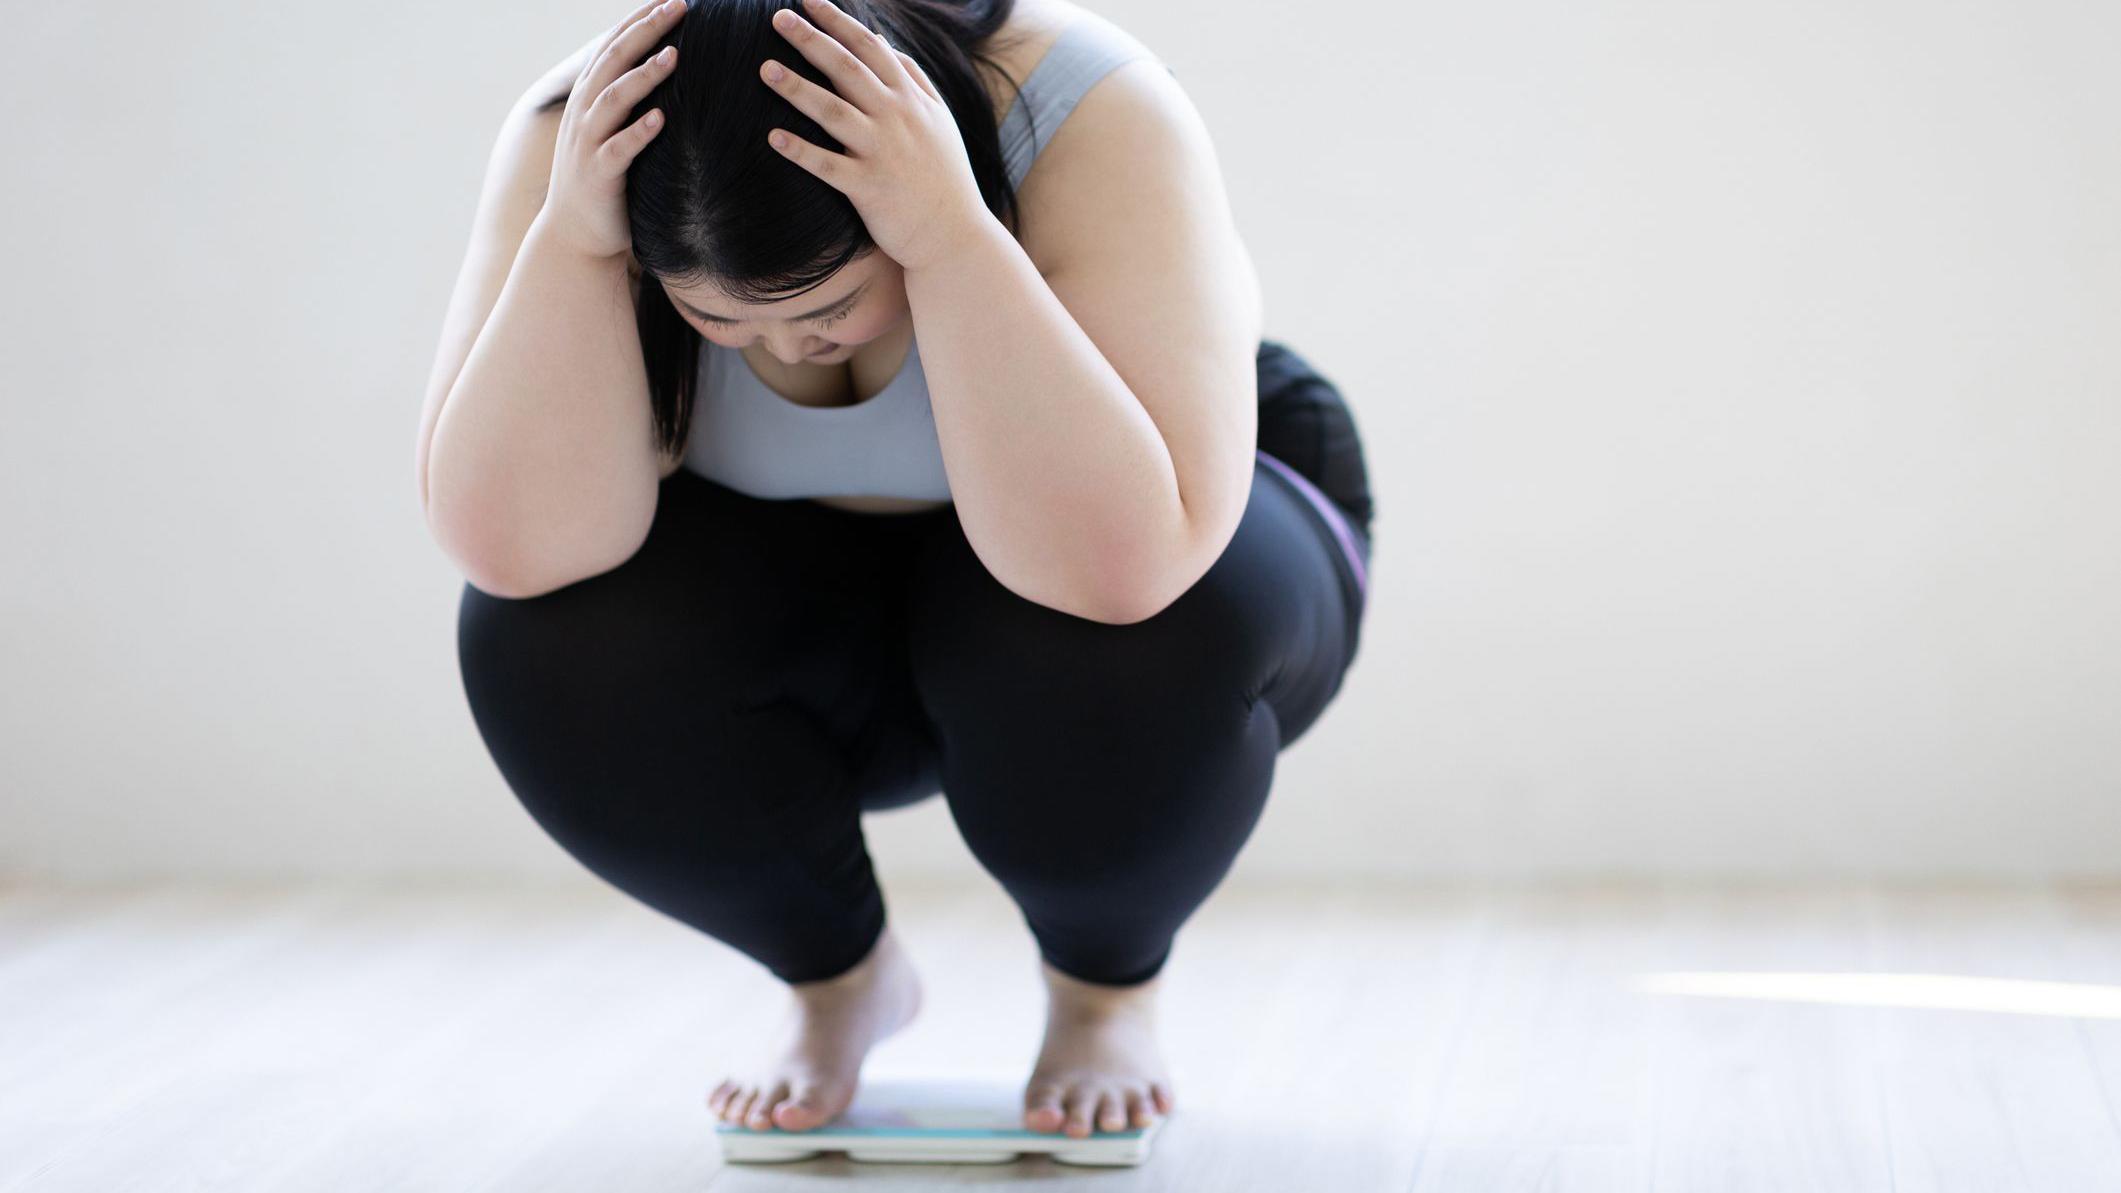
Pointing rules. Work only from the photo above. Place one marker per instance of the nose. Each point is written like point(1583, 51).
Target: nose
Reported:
point(788, 352)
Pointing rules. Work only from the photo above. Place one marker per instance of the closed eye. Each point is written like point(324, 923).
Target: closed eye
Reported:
point(821, 319)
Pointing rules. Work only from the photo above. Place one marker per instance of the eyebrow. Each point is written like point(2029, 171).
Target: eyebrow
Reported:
point(828, 309)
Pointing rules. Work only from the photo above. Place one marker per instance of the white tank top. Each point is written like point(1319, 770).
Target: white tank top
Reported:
point(757, 442)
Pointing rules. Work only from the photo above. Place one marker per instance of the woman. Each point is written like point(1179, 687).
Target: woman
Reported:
point(745, 561)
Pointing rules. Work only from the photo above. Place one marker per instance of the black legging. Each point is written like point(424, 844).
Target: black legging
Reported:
point(703, 725)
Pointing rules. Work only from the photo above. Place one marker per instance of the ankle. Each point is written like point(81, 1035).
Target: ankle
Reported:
point(853, 980)
point(1072, 998)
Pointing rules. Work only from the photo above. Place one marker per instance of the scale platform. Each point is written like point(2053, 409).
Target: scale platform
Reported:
point(906, 1120)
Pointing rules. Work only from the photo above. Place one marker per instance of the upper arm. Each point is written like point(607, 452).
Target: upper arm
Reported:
point(1128, 219)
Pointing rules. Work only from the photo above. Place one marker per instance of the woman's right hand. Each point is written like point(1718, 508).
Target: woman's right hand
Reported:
point(585, 202)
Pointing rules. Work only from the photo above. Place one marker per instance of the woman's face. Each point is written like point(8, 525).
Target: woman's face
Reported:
point(865, 299)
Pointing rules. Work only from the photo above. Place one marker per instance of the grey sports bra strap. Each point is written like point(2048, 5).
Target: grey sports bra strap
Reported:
point(1080, 55)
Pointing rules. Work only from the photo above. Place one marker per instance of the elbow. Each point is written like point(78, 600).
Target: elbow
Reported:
point(505, 584)
point(1143, 586)
point(495, 572)
point(1106, 604)
point(501, 567)
point(1114, 586)
point(521, 581)
point(503, 553)
point(1130, 597)
point(520, 576)
point(1131, 608)
point(1114, 595)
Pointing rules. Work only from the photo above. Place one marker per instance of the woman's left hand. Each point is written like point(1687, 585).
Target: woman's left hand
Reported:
point(905, 170)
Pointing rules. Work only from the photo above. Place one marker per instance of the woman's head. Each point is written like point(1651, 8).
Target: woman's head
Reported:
point(862, 300)
point(724, 226)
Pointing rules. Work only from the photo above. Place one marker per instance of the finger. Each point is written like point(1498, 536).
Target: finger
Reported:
point(856, 82)
point(838, 117)
point(571, 69)
point(919, 76)
point(594, 50)
point(626, 50)
point(619, 150)
point(627, 91)
point(865, 43)
point(820, 161)
point(593, 53)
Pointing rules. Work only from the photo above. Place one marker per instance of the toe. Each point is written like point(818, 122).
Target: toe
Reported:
point(760, 1117)
point(733, 1105)
point(1081, 1102)
point(1042, 1108)
point(1111, 1114)
point(1138, 1112)
point(1161, 1094)
point(719, 1096)
point(801, 1112)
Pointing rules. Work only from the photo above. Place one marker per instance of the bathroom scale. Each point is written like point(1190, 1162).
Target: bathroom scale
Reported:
point(934, 1120)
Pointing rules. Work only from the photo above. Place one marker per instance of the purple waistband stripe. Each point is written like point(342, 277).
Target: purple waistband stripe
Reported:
point(1336, 517)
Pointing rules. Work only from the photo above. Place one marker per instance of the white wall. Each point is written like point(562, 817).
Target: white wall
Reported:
point(1740, 383)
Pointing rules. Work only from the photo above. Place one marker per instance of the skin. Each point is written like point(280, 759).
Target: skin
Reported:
point(874, 283)
point(1092, 380)
point(1099, 1062)
point(834, 361)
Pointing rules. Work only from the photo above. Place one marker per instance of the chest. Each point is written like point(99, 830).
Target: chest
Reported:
point(1017, 48)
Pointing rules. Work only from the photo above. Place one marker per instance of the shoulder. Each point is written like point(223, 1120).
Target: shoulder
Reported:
point(1017, 47)
point(1133, 158)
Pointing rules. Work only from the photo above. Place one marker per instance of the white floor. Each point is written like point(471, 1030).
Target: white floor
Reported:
point(1611, 1037)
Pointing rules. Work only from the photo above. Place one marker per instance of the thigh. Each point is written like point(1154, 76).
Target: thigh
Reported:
point(1012, 685)
point(1108, 775)
point(1305, 422)
point(732, 604)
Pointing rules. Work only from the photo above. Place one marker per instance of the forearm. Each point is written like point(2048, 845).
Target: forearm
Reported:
point(1062, 481)
point(542, 468)
point(509, 198)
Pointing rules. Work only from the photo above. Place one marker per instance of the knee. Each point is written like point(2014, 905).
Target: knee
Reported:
point(1071, 748)
point(624, 738)
point(636, 632)
point(975, 642)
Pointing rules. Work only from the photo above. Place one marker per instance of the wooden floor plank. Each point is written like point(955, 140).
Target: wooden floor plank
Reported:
point(1763, 1093)
point(1986, 1100)
point(1571, 1037)
point(1548, 1078)
point(2088, 955)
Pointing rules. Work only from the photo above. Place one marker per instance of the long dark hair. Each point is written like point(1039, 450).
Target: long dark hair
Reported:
point(709, 199)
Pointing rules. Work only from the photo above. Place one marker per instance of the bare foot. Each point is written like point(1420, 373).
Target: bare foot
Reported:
point(1099, 1063)
point(829, 1027)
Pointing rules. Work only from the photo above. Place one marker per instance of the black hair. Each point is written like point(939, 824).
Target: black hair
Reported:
point(709, 199)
